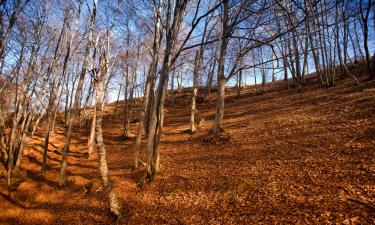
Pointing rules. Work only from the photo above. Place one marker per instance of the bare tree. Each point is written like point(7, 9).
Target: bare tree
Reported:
point(77, 99)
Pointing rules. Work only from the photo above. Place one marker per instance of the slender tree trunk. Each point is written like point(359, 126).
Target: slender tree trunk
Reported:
point(148, 96)
point(77, 102)
point(52, 98)
point(103, 166)
point(172, 88)
point(91, 140)
point(240, 83)
point(209, 79)
point(55, 114)
point(116, 105)
point(356, 31)
point(193, 127)
point(364, 16)
point(155, 127)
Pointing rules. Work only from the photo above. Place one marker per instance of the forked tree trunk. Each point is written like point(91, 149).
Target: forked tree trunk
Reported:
point(155, 127)
point(147, 98)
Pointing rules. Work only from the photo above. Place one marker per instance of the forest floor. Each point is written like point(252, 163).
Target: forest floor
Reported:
point(297, 156)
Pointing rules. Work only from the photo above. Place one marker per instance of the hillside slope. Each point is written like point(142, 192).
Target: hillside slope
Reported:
point(287, 156)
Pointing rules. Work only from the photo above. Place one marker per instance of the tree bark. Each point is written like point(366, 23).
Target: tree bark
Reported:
point(91, 140)
point(193, 127)
point(155, 127)
point(221, 79)
point(103, 166)
point(149, 83)
point(77, 103)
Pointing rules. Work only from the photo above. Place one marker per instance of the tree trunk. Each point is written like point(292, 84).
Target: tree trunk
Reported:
point(221, 80)
point(77, 103)
point(103, 166)
point(116, 105)
point(364, 16)
point(155, 127)
point(209, 79)
point(91, 140)
point(239, 83)
point(219, 106)
point(147, 98)
point(193, 127)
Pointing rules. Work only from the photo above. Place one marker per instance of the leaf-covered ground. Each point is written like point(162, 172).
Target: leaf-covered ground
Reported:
point(294, 156)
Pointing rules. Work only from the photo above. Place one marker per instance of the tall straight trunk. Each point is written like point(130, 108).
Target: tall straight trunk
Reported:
point(66, 111)
point(285, 60)
point(91, 140)
point(364, 17)
point(273, 67)
point(313, 43)
point(221, 79)
point(291, 59)
point(103, 166)
point(193, 127)
point(353, 47)
point(296, 58)
point(255, 80)
point(338, 38)
point(155, 126)
point(345, 37)
point(77, 103)
point(148, 99)
point(149, 108)
point(180, 84)
point(326, 48)
point(52, 97)
point(305, 59)
point(239, 83)
point(209, 79)
point(263, 69)
point(324, 82)
point(127, 102)
point(116, 105)
point(172, 88)
point(358, 44)
point(55, 114)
